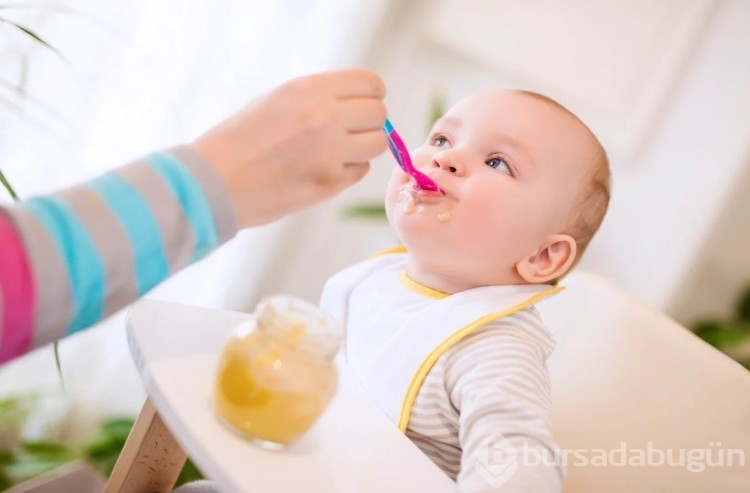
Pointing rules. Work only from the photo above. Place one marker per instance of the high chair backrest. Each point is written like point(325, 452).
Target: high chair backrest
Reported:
point(633, 388)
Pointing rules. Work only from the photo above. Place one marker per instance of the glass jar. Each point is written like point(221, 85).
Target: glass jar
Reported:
point(276, 374)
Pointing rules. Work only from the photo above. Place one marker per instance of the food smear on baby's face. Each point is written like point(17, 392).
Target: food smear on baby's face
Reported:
point(444, 217)
point(413, 199)
point(407, 201)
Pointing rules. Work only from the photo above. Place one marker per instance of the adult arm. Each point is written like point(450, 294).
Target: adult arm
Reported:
point(70, 259)
point(74, 257)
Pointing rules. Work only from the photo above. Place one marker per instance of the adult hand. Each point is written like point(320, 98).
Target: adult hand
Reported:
point(298, 145)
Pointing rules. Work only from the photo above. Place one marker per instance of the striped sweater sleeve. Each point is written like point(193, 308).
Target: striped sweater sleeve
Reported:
point(484, 411)
point(70, 259)
point(498, 380)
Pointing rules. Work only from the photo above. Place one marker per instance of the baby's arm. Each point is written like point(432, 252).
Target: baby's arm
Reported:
point(498, 382)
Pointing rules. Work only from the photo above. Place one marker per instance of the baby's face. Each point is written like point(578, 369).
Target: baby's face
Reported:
point(512, 168)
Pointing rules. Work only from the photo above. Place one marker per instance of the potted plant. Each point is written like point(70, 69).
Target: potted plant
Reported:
point(731, 335)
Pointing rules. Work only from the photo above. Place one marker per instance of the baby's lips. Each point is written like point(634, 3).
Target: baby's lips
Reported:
point(427, 195)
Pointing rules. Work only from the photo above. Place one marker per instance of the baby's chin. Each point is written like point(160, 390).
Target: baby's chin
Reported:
point(423, 242)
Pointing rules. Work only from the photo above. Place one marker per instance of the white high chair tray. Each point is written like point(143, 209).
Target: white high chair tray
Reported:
point(353, 447)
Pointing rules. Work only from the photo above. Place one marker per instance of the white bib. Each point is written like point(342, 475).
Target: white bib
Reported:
point(396, 330)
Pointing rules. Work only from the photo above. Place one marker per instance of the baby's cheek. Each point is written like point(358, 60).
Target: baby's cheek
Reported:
point(391, 199)
point(399, 178)
point(396, 182)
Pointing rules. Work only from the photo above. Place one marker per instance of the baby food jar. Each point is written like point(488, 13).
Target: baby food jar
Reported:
point(276, 374)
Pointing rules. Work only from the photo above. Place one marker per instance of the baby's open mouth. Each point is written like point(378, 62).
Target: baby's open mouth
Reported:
point(413, 199)
point(426, 196)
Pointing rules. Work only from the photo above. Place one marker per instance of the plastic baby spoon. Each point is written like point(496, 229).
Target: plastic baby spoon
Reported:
point(401, 153)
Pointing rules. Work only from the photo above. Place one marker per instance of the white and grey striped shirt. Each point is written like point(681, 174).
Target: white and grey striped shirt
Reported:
point(492, 387)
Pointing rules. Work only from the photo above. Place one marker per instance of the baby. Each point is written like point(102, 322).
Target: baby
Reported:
point(443, 333)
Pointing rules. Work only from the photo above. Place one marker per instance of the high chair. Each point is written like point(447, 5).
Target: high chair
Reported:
point(353, 447)
point(624, 377)
point(623, 372)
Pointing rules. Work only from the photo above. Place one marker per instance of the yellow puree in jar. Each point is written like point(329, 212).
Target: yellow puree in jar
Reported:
point(267, 388)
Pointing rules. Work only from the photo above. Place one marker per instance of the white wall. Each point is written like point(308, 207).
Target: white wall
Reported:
point(665, 203)
point(722, 269)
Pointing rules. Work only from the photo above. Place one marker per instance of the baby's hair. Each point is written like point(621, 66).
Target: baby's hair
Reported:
point(594, 199)
point(593, 204)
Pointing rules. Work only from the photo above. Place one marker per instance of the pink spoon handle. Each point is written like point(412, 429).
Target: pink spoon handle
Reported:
point(401, 153)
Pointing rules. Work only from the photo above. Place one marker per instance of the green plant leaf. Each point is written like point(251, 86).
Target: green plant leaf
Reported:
point(13, 413)
point(35, 458)
point(33, 35)
point(56, 350)
point(373, 211)
point(5, 481)
point(119, 427)
point(7, 186)
point(103, 449)
point(28, 467)
point(19, 90)
point(45, 449)
point(103, 445)
point(743, 305)
point(190, 472)
point(437, 109)
point(723, 335)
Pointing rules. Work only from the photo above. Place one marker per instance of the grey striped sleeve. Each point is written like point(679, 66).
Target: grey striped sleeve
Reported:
point(54, 304)
point(493, 381)
point(55, 307)
point(173, 224)
point(111, 241)
point(213, 187)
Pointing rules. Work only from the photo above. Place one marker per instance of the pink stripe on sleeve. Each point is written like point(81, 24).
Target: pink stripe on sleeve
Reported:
point(18, 294)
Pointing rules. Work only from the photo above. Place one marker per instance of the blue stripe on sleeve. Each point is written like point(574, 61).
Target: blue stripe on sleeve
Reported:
point(135, 216)
point(192, 199)
point(82, 260)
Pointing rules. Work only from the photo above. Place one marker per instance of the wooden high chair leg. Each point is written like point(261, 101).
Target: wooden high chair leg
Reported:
point(151, 459)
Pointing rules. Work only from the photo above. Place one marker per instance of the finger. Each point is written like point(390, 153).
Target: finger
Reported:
point(336, 177)
point(363, 146)
point(362, 114)
point(352, 83)
point(353, 172)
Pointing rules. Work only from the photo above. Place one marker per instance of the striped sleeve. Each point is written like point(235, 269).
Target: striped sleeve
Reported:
point(70, 259)
point(498, 381)
point(483, 413)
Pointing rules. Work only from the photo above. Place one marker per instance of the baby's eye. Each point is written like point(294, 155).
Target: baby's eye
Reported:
point(499, 163)
point(438, 140)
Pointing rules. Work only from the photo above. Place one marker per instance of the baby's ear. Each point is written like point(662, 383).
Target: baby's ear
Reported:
point(548, 262)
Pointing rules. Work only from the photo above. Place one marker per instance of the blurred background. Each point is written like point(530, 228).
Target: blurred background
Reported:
point(87, 85)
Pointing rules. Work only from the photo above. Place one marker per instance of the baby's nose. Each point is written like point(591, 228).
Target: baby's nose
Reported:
point(448, 162)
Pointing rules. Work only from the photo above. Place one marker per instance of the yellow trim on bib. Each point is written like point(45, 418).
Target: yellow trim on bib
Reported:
point(407, 281)
point(413, 285)
point(429, 361)
point(393, 249)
